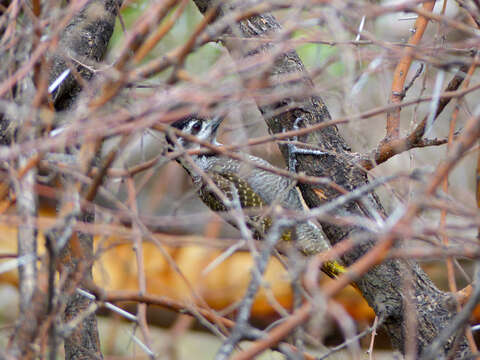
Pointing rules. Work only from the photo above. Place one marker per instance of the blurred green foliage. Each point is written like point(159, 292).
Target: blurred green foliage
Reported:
point(313, 55)
point(197, 62)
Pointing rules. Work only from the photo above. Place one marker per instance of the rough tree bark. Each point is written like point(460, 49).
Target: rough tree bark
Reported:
point(81, 45)
point(382, 285)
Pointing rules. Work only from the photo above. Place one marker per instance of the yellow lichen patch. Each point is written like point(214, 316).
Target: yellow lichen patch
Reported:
point(320, 194)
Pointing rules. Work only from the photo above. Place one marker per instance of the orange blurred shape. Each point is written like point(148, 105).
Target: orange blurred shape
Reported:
point(222, 286)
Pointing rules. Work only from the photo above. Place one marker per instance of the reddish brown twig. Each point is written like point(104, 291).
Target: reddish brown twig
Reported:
point(190, 44)
point(400, 74)
point(449, 261)
point(388, 149)
point(158, 35)
point(135, 39)
point(138, 249)
point(177, 306)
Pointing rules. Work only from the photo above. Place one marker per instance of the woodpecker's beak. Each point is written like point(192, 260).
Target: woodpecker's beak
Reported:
point(215, 123)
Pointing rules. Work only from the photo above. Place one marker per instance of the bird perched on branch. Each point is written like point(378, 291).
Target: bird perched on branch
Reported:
point(222, 180)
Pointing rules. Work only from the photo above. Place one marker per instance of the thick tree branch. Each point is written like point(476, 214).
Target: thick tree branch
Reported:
point(82, 46)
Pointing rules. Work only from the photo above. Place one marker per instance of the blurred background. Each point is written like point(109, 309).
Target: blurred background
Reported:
point(351, 79)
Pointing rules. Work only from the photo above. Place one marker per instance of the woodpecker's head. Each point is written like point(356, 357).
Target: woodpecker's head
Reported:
point(203, 129)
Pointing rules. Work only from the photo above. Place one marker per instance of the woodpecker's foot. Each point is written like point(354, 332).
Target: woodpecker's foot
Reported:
point(294, 150)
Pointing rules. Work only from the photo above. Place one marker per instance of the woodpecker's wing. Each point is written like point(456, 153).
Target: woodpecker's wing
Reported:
point(227, 183)
point(233, 186)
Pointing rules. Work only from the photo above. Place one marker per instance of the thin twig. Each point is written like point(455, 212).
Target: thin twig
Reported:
point(401, 71)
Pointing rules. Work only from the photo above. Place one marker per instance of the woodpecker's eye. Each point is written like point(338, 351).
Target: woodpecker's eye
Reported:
point(196, 127)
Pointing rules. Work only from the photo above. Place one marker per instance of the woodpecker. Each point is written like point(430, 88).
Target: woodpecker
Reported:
point(255, 188)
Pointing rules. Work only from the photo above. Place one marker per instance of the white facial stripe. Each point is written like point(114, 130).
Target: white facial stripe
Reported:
point(202, 134)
